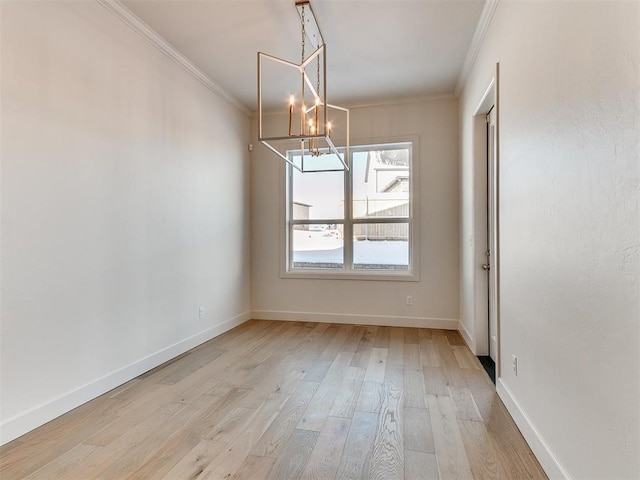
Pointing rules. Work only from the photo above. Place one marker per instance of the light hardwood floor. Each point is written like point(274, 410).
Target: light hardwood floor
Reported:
point(291, 400)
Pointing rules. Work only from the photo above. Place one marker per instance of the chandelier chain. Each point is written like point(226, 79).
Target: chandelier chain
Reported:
point(304, 33)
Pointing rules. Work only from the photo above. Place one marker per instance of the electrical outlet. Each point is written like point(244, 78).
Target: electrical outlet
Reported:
point(514, 364)
point(201, 312)
point(409, 300)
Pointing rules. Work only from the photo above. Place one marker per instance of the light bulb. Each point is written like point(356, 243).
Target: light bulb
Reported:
point(292, 100)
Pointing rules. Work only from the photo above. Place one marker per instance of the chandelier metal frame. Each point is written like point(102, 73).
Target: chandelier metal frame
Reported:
point(316, 132)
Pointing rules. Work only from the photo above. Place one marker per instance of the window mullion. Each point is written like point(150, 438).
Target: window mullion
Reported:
point(381, 220)
point(348, 216)
point(289, 214)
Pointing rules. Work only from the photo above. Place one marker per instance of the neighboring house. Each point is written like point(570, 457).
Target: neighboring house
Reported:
point(384, 193)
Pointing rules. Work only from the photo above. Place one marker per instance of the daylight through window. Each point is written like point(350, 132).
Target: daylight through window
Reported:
point(356, 222)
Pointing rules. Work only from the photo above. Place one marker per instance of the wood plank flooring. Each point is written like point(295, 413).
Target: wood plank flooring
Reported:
point(291, 400)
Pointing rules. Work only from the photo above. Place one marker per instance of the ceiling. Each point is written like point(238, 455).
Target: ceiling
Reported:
point(377, 50)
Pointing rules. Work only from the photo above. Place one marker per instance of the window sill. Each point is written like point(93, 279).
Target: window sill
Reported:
point(351, 275)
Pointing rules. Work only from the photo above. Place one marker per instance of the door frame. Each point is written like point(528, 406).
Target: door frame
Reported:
point(488, 100)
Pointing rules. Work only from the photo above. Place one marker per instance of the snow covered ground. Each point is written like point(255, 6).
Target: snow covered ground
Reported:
point(325, 246)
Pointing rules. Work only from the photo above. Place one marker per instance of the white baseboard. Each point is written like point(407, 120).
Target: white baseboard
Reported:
point(541, 450)
point(25, 422)
point(467, 337)
point(357, 319)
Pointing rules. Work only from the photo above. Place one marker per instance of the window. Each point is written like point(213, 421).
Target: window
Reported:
point(359, 223)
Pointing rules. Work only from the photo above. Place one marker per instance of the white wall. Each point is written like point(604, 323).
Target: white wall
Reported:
point(570, 233)
point(379, 302)
point(124, 197)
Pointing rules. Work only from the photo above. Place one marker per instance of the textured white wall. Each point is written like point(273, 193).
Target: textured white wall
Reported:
point(570, 231)
point(435, 295)
point(124, 208)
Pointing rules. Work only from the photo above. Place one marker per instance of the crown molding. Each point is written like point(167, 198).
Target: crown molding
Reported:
point(148, 33)
point(476, 42)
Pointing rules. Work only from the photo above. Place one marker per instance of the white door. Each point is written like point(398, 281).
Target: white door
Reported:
point(491, 266)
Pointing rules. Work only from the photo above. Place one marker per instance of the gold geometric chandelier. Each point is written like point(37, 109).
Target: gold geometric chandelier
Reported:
point(313, 123)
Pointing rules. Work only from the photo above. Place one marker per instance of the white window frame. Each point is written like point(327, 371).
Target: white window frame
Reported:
point(347, 272)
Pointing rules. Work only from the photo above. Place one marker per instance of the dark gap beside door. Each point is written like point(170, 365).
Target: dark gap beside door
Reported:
point(489, 365)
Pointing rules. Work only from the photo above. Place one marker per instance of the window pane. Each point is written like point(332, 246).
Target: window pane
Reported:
point(381, 182)
point(317, 195)
point(381, 246)
point(317, 246)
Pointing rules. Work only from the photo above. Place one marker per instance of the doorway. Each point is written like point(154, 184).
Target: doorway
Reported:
point(486, 335)
point(490, 266)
